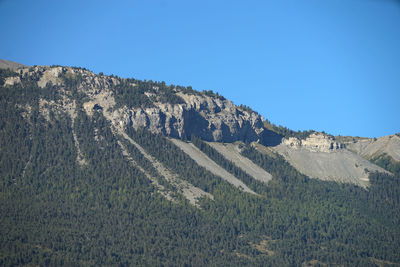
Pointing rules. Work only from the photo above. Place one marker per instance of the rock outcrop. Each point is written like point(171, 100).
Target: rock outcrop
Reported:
point(211, 118)
point(320, 156)
point(181, 113)
point(316, 142)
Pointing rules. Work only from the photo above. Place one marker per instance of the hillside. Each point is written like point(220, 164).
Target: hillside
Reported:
point(320, 156)
point(101, 170)
point(370, 148)
point(7, 64)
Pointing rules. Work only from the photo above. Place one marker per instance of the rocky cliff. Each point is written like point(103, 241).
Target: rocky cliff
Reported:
point(316, 142)
point(210, 117)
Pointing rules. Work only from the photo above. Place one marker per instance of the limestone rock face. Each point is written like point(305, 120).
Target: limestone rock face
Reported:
point(316, 142)
point(50, 75)
point(12, 80)
point(210, 117)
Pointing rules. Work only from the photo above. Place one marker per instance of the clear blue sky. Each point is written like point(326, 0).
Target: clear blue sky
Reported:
point(331, 65)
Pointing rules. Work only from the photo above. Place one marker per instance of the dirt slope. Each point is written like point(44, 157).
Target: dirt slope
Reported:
point(341, 166)
point(189, 191)
point(232, 152)
point(370, 148)
point(204, 161)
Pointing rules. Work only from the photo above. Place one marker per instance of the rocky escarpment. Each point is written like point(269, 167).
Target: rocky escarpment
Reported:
point(184, 113)
point(209, 117)
point(316, 142)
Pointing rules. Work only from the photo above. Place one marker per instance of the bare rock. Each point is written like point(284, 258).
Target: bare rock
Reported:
point(50, 75)
point(12, 80)
point(316, 142)
point(206, 117)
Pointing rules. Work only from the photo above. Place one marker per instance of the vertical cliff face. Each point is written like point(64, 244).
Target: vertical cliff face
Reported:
point(209, 117)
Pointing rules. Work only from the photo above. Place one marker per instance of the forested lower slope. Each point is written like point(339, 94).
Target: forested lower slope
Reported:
point(70, 195)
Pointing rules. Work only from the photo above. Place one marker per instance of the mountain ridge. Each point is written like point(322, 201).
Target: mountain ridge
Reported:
point(180, 112)
point(7, 64)
point(83, 183)
point(279, 130)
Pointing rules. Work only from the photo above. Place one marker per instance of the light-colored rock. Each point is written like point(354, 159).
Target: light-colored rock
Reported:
point(190, 192)
point(50, 75)
point(316, 142)
point(209, 118)
point(370, 148)
point(292, 141)
point(338, 165)
point(12, 80)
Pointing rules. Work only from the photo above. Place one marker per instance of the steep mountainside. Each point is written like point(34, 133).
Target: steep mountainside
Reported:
point(181, 112)
point(371, 148)
point(100, 170)
point(176, 112)
point(322, 157)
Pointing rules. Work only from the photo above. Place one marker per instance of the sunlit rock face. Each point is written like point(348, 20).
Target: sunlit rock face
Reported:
point(212, 118)
point(209, 118)
point(317, 142)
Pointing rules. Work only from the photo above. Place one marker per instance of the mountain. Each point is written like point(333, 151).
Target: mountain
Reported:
point(323, 157)
point(101, 170)
point(371, 148)
point(6, 64)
